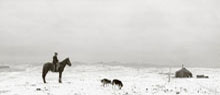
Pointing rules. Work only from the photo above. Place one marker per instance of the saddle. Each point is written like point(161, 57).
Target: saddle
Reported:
point(56, 67)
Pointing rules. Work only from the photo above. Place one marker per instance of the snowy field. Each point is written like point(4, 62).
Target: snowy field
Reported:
point(85, 80)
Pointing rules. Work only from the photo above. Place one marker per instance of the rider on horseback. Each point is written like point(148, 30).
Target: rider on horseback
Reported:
point(55, 62)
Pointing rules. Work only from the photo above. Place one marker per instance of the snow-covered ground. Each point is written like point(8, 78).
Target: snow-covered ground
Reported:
point(85, 80)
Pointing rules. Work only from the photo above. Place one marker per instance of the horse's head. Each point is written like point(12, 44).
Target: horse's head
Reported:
point(68, 62)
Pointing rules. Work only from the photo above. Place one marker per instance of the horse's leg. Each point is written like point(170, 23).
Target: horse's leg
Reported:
point(60, 76)
point(44, 73)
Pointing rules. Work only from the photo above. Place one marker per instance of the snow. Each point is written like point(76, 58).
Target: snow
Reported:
point(85, 80)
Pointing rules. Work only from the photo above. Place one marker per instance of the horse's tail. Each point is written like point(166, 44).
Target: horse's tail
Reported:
point(43, 70)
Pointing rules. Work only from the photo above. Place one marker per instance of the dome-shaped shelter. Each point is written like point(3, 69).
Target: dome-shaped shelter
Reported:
point(183, 73)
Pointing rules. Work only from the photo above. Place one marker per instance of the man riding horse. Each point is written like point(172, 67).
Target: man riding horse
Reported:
point(55, 66)
point(55, 62)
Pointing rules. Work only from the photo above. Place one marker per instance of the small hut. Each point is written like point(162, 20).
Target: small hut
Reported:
point(183, 73)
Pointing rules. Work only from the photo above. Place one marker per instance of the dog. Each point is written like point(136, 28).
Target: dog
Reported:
point(117, 83)
point(105, 82)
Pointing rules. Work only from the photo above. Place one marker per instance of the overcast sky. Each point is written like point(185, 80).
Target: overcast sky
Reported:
point(143, 31)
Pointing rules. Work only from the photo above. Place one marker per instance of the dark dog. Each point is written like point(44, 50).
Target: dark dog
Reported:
point(118, 83)
point(105, 81)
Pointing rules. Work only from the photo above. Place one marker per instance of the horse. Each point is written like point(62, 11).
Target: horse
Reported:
point(118, 83)
point(50, 67)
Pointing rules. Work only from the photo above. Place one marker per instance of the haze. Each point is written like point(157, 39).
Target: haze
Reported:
point(161, 32)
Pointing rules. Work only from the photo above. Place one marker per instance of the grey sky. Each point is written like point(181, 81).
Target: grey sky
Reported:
point(147, 31)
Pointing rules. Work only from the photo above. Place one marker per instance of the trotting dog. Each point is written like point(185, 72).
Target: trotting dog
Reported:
point(105, 81)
